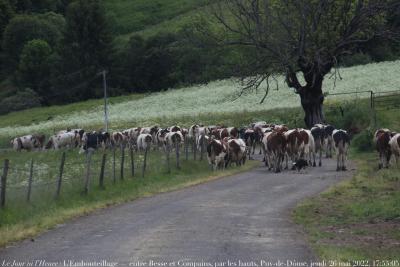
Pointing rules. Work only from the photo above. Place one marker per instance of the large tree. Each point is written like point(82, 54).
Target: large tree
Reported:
point(22, 29)
point(86, 48)
point(34, 66)
point(298, 37)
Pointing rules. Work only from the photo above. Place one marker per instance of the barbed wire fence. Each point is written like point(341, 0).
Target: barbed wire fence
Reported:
point(42, 180)
point(371, 101)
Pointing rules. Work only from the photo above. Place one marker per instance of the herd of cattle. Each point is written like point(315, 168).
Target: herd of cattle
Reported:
point(224, 145)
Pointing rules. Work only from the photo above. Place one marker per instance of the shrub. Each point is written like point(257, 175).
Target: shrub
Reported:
point(356, 59)
point(24, 28)
point(34, 65)
point(363, 141)
point(21, 100)
point(350, 117)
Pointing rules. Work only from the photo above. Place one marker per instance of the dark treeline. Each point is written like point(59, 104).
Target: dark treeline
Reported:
point(53, 50)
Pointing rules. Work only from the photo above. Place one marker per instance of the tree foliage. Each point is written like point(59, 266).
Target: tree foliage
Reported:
point(58, 47)
point(86, 46)
point(24, 28)
point(34, 65)
point(299, 36)
point(6, 13)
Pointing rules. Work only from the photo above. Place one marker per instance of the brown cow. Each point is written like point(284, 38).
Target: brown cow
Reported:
point(40, 139)
point(233, 132)
point(236, 151)
point(382, 138)
point(281, 128)
point(216, 154)
point(293, 143)
point(275, 150)
point(307, 150)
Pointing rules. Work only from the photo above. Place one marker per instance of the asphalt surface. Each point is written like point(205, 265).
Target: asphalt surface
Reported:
point(245, 217)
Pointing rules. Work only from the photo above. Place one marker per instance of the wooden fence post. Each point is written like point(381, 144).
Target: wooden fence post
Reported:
point(194, 149)
point(132, 162)
point(4, 183)
point(167, 150)
point(113, 167)
point(103, 165)
point(59, 180)
point(177, 155)
point(145, 161)
point(87, 179)
point(28, 197)
point(202, 148)
point(186, 147)
point(122, 162)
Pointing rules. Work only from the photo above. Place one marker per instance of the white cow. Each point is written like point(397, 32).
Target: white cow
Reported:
point(395, 146)
point(27, 142)
point(307, 148)
point(144, 141)
point(64, 140)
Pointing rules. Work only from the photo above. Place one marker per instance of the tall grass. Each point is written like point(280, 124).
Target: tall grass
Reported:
point(212, 100)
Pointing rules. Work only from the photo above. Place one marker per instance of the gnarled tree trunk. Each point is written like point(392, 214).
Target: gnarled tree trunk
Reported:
point(312, 100)
point(311, 95)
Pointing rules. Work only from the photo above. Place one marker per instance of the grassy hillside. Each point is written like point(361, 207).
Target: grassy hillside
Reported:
point(193, 104)
point(137, 15)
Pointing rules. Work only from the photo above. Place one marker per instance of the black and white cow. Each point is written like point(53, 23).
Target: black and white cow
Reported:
point(160, 137)
point(144, 141)
point(249, 136)
point(341, 141)
point(318, 132)
point(27, 142)
point(328, 140)
point(173, 139)
point(94, 140)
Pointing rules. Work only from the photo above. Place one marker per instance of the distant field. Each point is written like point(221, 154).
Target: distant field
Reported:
point(136, 15)
point(194, 103)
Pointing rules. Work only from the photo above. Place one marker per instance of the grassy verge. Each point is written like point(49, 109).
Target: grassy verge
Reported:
point(358, 219)
point(20, 220)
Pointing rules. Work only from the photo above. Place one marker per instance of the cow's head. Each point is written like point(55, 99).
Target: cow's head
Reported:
point(154, 130)
point(81, 132)
point(163, 132)
point(148, 139)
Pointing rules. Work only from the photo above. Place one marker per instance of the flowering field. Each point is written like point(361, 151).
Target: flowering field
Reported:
point(213, 98)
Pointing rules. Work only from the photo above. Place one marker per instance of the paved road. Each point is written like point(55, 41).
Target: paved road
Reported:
point(243, 217)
